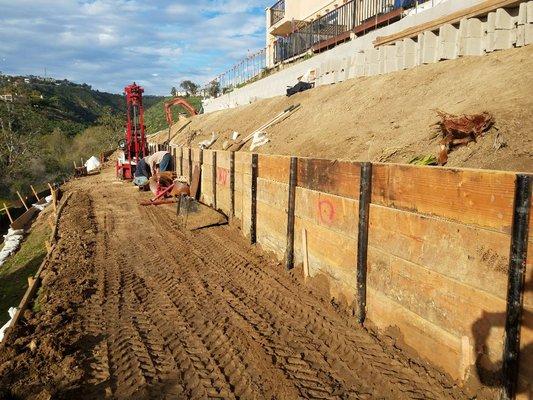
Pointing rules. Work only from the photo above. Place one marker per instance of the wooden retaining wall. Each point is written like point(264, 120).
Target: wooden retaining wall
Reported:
point(438, 245)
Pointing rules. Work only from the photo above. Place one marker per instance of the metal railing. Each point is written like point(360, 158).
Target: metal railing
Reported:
point(248, 69)
point(277, 12)
point(330, 26)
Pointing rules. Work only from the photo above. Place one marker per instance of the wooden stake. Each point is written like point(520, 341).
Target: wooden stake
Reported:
point(22, 199)
point(54, 200)
point(8, 214)
point(304, 253)
point(75, 166)
point(35, 193)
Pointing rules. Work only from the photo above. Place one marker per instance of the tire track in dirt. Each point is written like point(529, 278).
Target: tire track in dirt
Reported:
point(203, 315)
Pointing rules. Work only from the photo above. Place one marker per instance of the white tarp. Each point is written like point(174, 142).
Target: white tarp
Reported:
point(41, 207)
point(12, 241)
point(92, 164)
point(11, 312)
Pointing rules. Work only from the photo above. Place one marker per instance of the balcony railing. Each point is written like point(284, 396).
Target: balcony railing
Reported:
point(277, 12)
point(335, 25)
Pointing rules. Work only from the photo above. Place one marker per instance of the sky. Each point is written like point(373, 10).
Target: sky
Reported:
point(111, 43)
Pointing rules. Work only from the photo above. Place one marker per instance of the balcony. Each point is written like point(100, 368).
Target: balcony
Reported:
point(277, 12)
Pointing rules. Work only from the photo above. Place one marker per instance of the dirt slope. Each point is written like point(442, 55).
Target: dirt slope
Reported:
point(136, 307)
point(387, 118)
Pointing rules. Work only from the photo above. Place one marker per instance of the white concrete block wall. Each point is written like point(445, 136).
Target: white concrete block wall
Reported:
point(358, 57)
point(448, 42)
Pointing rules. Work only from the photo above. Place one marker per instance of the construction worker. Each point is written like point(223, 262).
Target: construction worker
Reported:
point(160, 161)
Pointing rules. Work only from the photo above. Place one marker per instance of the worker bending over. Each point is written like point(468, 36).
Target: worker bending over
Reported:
point(160, 161)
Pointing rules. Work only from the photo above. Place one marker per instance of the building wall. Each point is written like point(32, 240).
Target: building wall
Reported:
point(299, 10)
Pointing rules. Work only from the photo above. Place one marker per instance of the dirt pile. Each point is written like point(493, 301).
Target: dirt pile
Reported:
point(389, 118)
point(135, 307)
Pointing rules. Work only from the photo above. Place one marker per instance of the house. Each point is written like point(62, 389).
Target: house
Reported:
point(295, 27)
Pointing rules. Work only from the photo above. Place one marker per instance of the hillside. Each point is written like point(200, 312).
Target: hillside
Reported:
point(390, 118)
point(154, 117)
point(48, 124)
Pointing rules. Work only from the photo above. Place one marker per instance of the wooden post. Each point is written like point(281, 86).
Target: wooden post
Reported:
point(181, 161)
point(190, 165)
point(8, 214)
point(22, 199)
point(253, 210)
point(54, 197)
point(365, 190)
point(290, 213)
point(515, 285)
point(75, 166)
point(34, 193)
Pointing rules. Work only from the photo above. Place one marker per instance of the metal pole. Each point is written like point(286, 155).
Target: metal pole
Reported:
point(232, 182)
point(365, 189)
point(515, 285)
point(253, 211)
point(290, 212)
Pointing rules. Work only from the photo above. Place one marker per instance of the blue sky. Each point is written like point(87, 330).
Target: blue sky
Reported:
point(109, 43)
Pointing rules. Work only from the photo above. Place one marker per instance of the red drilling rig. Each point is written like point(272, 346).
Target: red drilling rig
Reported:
point(134, 144)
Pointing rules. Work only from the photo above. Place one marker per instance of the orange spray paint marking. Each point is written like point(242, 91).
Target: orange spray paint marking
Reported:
point(222, 176)
point(326, 212)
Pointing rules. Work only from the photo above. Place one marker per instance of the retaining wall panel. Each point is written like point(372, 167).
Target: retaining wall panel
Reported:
point(334, 177)
point(473, 256)
point(333, 212)
point(482, 199)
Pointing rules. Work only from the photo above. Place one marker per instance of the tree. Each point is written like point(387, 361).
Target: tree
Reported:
point(173, 91)
point(190, 87)
point(214, 88)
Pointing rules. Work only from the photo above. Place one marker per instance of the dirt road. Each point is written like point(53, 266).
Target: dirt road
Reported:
point(133, 307)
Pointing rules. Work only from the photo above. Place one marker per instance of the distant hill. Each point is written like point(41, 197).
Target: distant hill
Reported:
point(46, 125)
point(154, 116)
point(62, 104)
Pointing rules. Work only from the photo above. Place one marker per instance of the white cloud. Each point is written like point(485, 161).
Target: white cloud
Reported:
point(108, 43)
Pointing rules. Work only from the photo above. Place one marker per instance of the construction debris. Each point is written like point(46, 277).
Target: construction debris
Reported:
point(259, 139)
point(205, 144)
point(278, 118)
point(460, 130)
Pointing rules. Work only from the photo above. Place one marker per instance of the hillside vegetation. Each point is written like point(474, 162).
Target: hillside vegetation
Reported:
point(154, 117)
point(46, 125)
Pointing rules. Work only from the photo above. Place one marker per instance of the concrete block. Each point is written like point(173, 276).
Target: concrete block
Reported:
point(474, 47)
point(528, 34)
point(449, 42)
point(491, 22)
point(520, 35)
point(503, 39)
point(489, 42)
point(529, 12)
point(410, 54)
point(475, 28)
point(522, 14)
point(430, 48)
point(504, 20)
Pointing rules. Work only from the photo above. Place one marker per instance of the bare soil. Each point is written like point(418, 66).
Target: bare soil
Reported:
point(390, 118)
point(133, 306)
